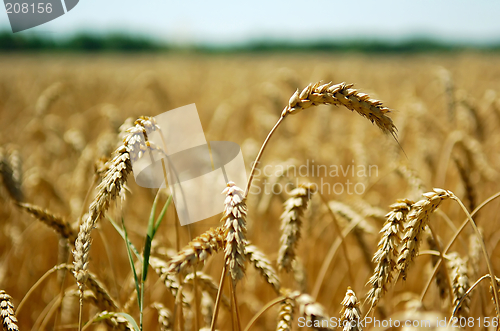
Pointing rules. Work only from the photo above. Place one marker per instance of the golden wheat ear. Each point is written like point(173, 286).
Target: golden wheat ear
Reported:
point(387, 253)
point(291, 223)
point(9, 320)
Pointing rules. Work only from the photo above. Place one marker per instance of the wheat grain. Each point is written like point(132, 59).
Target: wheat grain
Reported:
point(417, 219)
point(341, 95)
point(386, 256)
point(234, 219)
point(460, 280)
point(198, 250)
point(263, 265)
point(112, 185)
point(350, 315)
point(9, 320)
point(291, 222)
point(164, 316)
point(56, 222)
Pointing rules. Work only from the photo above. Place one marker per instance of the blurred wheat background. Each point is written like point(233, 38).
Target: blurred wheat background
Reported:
point(60, 121)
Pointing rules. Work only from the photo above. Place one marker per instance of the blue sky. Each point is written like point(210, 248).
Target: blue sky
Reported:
point(236, 21)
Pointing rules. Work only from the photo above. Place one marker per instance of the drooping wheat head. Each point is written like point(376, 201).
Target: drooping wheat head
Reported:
point(52, 220)
point(341, 95)
point(198, 250)
point(263, 265)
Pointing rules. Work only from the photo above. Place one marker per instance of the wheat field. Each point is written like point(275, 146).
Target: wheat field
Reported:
point(345, 218)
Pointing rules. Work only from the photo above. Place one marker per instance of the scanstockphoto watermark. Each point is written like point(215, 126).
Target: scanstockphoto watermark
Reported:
point(329, 179)
point(368, 322)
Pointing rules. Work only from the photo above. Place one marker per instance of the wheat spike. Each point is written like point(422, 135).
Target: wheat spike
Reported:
point(234, 219)
point(164, 316)
point(263, 265)
point(198, 250)
point(386, 256)
point(341, 95)
point(207, 284)
point(285, 315)
point(460, 280)
point(11, 175)
point(114, 321)
point(207, 307)
point(133, 147)
point(417, 219)
point(47, 98)
point(291, 222)
point(9, 320)
point(350, 315)
point(169, 279)
point(56, 222)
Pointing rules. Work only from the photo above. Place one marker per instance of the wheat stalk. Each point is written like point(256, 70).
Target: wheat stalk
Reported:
point(263, 265)
point(9, 320)
point(56, 222)
point(234, 219)
point(198, 250)
point(111, 186)
point(417, 219)
point(291, 222)
point(350, 315)
point(460, 283)
point(386, 256)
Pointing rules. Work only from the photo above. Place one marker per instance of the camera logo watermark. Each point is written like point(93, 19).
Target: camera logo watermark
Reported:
point(196, 172)
point(26, 14)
